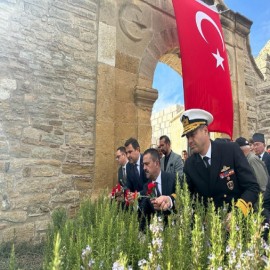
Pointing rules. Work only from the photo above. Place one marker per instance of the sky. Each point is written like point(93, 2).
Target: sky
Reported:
point(170, 84)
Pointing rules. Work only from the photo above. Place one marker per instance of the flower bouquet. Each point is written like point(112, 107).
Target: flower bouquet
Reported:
point(150, 193)
point(117, 193)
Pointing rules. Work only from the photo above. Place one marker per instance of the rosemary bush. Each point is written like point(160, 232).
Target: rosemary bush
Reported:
point(103, 236)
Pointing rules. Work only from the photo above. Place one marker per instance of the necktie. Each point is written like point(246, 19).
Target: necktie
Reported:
point(157, 190)
point(124, 174)
point(206, 162)
point(260, 157)
point(136, 171)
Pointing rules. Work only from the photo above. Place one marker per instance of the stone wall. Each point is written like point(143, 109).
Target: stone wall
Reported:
point(263, 61)
point(48, 63)
point(161, 122)
point(263, 92)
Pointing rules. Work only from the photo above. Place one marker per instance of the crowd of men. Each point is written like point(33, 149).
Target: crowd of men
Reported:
point(220, 171)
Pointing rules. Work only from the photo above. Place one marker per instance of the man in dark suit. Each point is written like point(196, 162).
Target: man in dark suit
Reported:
point(121, 157)
point(136, 177)
point(266, 211)
point(216, 171)
point(165, 185)
point(259, 149)
point(170, 162)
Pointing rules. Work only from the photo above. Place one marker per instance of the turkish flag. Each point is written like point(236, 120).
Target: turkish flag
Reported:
point(206, 75)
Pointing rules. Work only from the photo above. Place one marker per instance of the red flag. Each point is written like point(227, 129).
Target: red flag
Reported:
point(206, 75)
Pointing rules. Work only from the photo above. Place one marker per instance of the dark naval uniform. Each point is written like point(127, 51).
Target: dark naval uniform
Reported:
point(229, 176)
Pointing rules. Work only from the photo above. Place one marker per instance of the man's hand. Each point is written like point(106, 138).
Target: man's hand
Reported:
point(119, 196)
point(130, 197)
point(162, 203)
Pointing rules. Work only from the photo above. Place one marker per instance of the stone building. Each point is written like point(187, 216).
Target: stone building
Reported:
point(76, 82)
point(161, 123)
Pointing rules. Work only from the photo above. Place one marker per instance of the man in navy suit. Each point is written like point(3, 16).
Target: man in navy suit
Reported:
point(136, 177)
point(215, 171)
point(165, 185)
point(259, 149)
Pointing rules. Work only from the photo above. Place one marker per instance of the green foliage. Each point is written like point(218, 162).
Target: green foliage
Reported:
point(103, 236)
point(12, 259)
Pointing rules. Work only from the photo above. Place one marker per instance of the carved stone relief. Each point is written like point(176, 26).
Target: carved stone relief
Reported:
point(131, 21)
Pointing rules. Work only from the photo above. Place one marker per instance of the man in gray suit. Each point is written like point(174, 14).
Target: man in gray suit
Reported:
point(258, 166)
point(171, 162)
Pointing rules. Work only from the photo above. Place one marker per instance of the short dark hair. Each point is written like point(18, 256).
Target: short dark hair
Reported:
point(184, 151)
point(133, 142)
point(165, 138)
point(122, 149)
point(153, 152)
point(267, 147)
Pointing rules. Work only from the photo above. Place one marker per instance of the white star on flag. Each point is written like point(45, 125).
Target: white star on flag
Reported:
point(219, 59)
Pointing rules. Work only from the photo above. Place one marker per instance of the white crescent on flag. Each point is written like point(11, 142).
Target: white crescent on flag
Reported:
point(200, 16)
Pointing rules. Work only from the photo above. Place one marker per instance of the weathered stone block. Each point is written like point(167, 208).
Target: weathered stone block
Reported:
point(106, 44)
point(127, 62)
point(24, 201)
point(52, 138)
point(89, 25)
point(86, 83)
point(42, 225)
point(85, 4)
point(13, 216)
point(44, 171)
point(80, 140)
point(76, 169)
point(71, 196)
point(24, 232)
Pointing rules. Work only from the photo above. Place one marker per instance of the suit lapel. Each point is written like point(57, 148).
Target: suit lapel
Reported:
point(203, 173)
point(216, 158)
point(164, 185)
point(162, 163)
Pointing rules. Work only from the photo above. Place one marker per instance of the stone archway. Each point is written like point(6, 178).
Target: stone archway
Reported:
point(142, 34)
point(139, 45)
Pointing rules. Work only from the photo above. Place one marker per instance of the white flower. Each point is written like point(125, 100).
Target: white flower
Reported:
point(238, 266)
point(158, 243)
point(142, 262)
point(117, 266)
point(159, 219)
point(150, 256)
point(155, 228)
point(91, 262)
point(86, 251)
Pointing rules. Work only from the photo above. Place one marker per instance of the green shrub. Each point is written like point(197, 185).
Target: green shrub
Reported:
point(103, 236)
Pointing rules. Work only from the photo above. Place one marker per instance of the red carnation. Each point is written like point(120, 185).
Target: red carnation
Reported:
point(151, 187)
